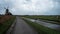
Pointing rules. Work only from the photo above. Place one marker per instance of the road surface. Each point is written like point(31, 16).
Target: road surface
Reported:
point(22, 27)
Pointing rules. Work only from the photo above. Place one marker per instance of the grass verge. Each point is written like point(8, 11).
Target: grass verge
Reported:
point(6, 25)
point(41, 29)
point(47, 18)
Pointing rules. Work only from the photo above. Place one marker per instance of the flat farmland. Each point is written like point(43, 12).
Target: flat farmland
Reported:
point(55, 18)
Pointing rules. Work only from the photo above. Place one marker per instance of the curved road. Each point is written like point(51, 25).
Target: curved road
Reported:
point(22, 27)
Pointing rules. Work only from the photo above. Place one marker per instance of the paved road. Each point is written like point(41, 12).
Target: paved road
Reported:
point(22, 27)
point(49, 25)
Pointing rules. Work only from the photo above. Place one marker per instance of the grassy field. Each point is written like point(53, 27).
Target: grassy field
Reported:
point(41, 29)
point(5, 26)
point(47, 18)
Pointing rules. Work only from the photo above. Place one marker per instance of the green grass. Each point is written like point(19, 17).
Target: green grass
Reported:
point(41, 29)
point(4, 27)
point(47, 18)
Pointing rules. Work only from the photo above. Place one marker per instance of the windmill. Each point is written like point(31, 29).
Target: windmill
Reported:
point(7, 11)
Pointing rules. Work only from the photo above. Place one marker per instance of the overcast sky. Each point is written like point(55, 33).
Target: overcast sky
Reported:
point(31, 7)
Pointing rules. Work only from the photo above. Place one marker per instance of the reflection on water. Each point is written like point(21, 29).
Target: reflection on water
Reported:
point(50, 25)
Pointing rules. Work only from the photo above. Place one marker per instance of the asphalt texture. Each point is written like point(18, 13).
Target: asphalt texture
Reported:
point(22, 27)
